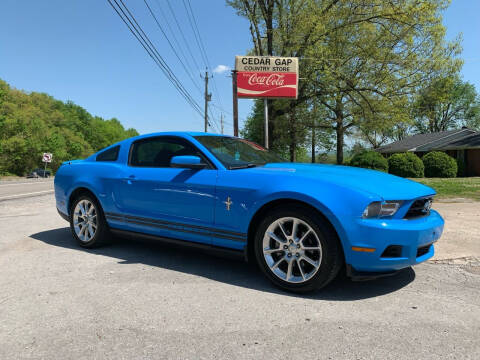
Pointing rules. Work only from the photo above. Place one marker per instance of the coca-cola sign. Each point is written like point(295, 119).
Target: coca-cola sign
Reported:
point(266, 77)
point(271, 85)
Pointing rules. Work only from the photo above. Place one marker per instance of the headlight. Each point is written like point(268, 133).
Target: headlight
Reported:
point(379, 209)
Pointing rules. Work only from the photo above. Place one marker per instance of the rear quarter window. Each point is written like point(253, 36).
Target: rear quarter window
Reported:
point(109, 155)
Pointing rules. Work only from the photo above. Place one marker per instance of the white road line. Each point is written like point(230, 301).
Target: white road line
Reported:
point(25, 194)
point(26, 183)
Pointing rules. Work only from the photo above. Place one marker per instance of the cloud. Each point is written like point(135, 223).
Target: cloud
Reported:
point(221, 69)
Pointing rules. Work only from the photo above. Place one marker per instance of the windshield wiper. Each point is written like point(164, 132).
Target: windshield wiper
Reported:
point(243, 166)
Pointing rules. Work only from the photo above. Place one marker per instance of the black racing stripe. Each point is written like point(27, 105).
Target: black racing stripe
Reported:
point(114, 217)
point(171, 223)
point(166, 227)
point(187, 225)
point(173, 226)
point(228, 237)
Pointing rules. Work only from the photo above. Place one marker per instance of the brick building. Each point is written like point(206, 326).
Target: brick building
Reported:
point(462, 144)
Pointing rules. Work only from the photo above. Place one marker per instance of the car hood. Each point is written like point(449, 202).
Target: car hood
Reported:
point(387, 186)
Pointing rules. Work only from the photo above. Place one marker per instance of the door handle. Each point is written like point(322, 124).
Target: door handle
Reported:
point(129, 179)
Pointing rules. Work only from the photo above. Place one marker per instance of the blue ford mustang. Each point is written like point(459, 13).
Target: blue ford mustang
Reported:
point(300, 223)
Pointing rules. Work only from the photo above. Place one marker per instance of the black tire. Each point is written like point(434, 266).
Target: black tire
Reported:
point(102, 234)
point(332, 255)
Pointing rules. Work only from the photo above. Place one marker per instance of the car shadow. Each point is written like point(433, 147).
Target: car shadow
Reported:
point(236, 272)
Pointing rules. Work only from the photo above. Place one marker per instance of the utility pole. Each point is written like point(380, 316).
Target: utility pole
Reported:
point(221, 122)
point(235, 103)
point(208, 97)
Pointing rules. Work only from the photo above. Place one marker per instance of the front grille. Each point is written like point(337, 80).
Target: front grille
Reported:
point(422, 250)
point(419, 208)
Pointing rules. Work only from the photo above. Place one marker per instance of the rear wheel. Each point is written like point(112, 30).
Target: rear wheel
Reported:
point(87, 222)
point(297, 250)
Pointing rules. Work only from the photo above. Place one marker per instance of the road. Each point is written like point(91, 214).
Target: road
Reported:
point(25, 188)
point(146, 300)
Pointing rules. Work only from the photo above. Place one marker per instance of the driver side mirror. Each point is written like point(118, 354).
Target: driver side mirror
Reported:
point(187, 162)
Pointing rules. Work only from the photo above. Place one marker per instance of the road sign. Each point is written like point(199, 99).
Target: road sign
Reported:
point(267, 76)
point(47, 157)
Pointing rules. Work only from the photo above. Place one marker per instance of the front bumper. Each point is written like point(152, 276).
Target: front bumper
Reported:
point(63, 215)
point(413, 240)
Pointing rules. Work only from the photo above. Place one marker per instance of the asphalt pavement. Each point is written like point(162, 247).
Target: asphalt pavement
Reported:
point(25, 188)
point(144, 300)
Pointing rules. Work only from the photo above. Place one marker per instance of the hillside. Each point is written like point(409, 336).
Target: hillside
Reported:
point(34, 123)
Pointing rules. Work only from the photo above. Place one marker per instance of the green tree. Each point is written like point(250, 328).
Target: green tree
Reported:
point(447, 103)
point(33, 123)
point(288, 133)
point(362, 60)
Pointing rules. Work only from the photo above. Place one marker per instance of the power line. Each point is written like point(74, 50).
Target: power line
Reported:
point(218, 92)
point(194, 26)
point(156, 55)
point(182, 34)
point(227, 112)
point(214, 118)
point(152, 51)
point(214, 124)
point(200, 44)
point(175, 40)
point(171, 45)
point(196, 34)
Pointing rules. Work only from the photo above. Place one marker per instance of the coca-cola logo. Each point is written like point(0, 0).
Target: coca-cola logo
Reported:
point(268, 80)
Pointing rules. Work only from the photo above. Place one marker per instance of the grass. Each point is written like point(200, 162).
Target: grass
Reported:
point(449, 188)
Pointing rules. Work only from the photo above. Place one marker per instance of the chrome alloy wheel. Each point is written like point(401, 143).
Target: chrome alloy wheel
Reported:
point(85, 220)
point(292, 250)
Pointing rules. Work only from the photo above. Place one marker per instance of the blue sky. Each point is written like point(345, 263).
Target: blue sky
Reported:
point(81, 51)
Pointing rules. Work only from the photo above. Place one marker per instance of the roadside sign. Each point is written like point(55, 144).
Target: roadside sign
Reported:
point(267, 77)
point(47, 157)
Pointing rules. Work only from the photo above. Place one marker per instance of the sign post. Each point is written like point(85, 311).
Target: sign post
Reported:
point(267, 77)
point(46, 158)
point(235, 103)
point(265, 106)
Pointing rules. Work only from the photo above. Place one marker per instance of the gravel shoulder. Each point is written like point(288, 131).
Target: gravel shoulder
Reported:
point(461, 235)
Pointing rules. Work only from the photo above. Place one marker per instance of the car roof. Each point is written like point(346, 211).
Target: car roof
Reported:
point(184, 134)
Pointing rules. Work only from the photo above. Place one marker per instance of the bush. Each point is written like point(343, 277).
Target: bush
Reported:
point(439, 164)
point(405, 165)
point(370, 160)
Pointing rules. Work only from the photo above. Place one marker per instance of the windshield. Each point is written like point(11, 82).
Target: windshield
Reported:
point(237, 153)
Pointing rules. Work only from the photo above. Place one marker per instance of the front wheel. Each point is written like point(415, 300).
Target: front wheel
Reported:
point(297, 249)
point(87, 222)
